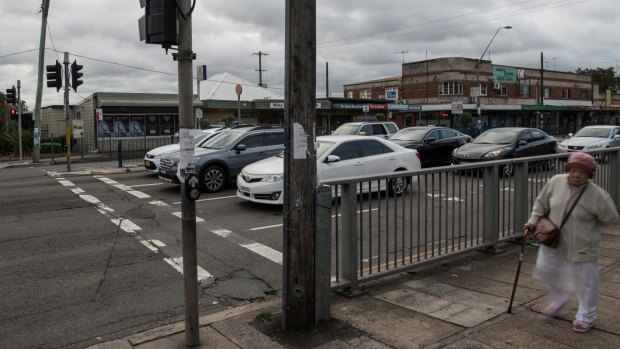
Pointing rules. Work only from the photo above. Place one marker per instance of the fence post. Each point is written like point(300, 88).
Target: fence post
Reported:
point(323, 252)
point(347, 240)
point(521, 196)
point(120, 153)
point(614, 172)
point(491, 208)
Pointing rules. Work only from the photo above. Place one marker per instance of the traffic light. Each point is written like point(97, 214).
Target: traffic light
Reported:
point(54, 75)
point(76, 75)
point(159, 25)
point(13, 113)
point(10, 95)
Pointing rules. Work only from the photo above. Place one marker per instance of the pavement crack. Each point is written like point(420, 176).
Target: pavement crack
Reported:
point(108, 260)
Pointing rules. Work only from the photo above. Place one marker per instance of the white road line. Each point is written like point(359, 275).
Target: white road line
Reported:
point(180, 215)
point(66, 183)
point(210, 199)
point(159, 203)
point(127, 189)
point(144, 185)
point(126, 225)
point(131, 228)
point(177, 263)
point(260, 249)
point(279, 225)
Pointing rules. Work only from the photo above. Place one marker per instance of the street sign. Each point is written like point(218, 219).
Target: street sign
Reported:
point(238, 89)
point(198, 113)
point(457, 107)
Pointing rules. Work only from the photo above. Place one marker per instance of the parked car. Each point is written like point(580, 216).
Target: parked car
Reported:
point(221, 158)
point(506, 143)
point(433, 143)
point(592, 138)
point(153, 156)
point(337, 157)
point(373, 128)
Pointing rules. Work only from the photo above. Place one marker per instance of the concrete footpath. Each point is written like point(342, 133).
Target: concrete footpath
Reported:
point(457, 303)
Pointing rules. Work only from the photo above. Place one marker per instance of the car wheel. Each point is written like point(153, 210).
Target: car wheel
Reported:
point(397, 186)
point(507, 170)
point(213, 179)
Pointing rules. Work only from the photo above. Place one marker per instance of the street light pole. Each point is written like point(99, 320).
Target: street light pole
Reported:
point(478, 67)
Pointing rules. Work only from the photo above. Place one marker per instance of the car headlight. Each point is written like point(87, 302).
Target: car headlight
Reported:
point(455, 151)
point(273, 178)
point(496, 153)
point(594, 146)
point(563, 145)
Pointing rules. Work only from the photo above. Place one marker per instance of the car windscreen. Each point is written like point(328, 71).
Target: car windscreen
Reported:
point(409, 135)
point(222, 140)
point(496, 137)
point(347, 129)
point(201, 137)
point(593, 132)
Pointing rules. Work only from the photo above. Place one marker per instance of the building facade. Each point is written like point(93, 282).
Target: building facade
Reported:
point(440, 91)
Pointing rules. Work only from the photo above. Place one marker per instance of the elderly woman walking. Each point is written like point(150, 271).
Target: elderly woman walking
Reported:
point(572, 267)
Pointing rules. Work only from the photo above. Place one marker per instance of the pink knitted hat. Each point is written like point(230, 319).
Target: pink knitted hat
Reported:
point(581, 160)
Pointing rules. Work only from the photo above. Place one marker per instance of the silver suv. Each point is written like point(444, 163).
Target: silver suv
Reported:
point(220, 159)
point(374, 128)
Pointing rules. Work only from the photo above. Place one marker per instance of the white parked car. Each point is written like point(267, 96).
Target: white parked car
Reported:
point(337, 157)
point(153, 157)
point(592, 138)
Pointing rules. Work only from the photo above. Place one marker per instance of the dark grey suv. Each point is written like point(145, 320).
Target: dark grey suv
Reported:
point(220, 159)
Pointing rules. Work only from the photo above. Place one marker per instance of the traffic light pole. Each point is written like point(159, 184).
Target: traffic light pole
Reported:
point(184, 58)
point(66, 111)
point(19, 119)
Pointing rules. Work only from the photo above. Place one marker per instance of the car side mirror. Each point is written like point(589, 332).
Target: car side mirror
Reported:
point(362, 133)
point(240, 148)
point(332, 158)
point(521, 143)
point(616, 136)
point(430, 140)
point(570, 135)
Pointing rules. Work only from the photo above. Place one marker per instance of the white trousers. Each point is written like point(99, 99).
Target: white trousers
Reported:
point(561, 278)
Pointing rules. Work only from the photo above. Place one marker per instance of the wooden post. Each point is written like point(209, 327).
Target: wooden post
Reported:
point(298, 289)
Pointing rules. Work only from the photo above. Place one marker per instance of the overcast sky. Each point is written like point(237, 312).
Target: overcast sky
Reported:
point(360, 39)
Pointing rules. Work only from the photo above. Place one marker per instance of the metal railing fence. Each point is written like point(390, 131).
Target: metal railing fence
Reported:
point(106, 148)
point(446, 211)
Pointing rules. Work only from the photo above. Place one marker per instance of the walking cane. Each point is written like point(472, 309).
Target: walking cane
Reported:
point(514, 287)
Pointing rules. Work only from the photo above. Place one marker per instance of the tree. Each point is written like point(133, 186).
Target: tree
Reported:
point(605, 77)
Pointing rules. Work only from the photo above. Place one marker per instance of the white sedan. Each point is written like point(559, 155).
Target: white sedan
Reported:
point(591, 138)
point(337, 157)
point(153, 157)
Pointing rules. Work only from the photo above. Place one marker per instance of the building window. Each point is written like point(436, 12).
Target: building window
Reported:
point(350, 94)
point(524, 90)
point(503, 91)
point(450, 88)
point(566, 93)
point(547, 92)
point(483, 89)
point(365, 94)
point(583, 94)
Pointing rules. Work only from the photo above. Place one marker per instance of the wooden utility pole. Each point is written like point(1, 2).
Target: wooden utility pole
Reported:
point(298, 289)
point(36, 149)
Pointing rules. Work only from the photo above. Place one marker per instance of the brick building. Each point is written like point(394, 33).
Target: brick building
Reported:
point(428, 91)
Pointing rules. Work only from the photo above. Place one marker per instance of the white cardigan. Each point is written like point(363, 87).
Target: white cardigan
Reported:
point(595, 207)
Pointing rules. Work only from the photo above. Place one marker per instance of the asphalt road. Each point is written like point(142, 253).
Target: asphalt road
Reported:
point(85, 259)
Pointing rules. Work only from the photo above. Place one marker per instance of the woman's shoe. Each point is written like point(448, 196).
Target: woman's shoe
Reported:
point(553, 309)
point(582, 326)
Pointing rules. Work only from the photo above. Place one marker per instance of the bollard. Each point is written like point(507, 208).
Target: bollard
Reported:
point(120, 153)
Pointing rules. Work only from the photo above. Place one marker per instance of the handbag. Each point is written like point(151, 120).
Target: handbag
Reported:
point(547, 233)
